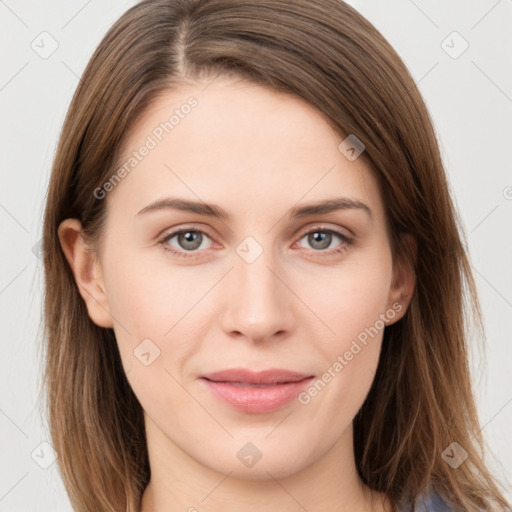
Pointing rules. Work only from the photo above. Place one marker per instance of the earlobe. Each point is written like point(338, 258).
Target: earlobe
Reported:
point(86, 270)
point(404, 278)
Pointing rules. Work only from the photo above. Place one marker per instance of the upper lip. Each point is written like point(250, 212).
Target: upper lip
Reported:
point(272, 376)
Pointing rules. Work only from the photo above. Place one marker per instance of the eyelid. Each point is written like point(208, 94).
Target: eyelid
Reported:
point(325, 227)
point(170, 232)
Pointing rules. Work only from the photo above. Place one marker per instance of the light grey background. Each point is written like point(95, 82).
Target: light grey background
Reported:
point(470, 100)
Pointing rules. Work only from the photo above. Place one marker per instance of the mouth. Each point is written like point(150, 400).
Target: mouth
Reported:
point(256, 392)
point(248, 385)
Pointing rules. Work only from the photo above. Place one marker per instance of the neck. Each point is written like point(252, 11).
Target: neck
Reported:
point(330, 483)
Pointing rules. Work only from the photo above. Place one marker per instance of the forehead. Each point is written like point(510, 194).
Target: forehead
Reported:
point(232, 141)
point(233, 113)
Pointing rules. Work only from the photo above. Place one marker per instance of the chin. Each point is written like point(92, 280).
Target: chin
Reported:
point(260, 460)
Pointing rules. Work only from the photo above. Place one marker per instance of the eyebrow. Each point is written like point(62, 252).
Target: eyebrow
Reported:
point(212, 210)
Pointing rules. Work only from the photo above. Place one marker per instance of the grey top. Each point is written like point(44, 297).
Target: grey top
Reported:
point(429, 503)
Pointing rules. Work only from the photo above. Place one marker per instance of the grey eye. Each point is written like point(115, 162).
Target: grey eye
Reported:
point(319, 239)
point(189, 240)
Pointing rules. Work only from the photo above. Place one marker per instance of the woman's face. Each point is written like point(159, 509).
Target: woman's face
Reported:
point(267, 285)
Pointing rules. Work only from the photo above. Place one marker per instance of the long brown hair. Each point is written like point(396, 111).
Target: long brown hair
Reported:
point(325, 52)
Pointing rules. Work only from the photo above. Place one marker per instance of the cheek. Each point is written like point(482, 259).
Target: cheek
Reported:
point(147, 306)
point(159, 303)
point(354, 307)
point(148, 299)
point(354, 299)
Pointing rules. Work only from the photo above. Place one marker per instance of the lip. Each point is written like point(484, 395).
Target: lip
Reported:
point(256, 392)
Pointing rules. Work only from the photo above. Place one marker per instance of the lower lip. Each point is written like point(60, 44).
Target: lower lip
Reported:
point(257, 399)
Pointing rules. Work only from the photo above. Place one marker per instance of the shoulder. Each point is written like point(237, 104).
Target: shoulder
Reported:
point(434, 503)
point(431, 502)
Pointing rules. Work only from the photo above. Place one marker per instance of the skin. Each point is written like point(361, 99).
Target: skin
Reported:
point(256, 153)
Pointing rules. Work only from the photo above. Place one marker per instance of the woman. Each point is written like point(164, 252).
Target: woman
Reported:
point(254, 273)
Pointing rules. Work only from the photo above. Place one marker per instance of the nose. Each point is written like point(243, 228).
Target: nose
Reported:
point(259, 304)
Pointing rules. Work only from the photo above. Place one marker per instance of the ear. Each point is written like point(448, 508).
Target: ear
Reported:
point(404, 277)
point(87, 271)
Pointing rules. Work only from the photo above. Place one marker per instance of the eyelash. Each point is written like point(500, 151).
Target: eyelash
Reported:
point(347, 241)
